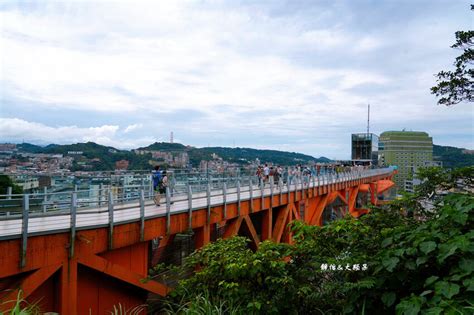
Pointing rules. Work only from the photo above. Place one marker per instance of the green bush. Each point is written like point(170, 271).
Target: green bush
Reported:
point(415, 264)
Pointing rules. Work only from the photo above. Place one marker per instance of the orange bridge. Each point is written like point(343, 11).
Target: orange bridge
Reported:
point(94, 254)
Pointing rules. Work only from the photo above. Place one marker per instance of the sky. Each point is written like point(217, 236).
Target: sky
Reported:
point(285, 75)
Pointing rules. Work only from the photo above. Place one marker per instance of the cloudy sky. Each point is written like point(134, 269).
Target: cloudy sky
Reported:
point(290, 75)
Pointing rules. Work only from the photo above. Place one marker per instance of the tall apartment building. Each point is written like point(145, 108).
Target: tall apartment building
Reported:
point(407, 150)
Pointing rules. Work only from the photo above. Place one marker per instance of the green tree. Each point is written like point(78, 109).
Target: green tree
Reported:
point(5, 182)
point(457, 86)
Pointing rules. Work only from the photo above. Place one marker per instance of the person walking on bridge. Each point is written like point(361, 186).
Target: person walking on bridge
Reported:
point(266, 173)
point(157, 177)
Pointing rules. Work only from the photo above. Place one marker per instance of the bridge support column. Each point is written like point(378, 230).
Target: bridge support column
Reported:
point(267, 223)
point(373, 193)
point(68, 288)
point(202, 236)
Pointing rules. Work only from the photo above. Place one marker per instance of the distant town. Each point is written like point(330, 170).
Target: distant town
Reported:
point(34, 167)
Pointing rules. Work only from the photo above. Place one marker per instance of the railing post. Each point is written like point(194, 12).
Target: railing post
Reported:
point(142, 214)
point(150, 191)
point(190, 207)
point(123, 188)
point(314, 184)
point(303, 181)
point(9, 192)
point(238, 197)
point(72, 239)
point(101, 191)
point(271, 191)
point(297, 179)
point(224, 192)
point(45, 199)
point(168, 211)
point(251, 194)
point(111, 219)
point(208, 195)
point(280, 188)
point(288, 186)
point(24, 230)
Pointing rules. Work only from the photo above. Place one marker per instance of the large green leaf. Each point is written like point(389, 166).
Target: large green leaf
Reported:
point(388, 298)
point(469, 284)
point(431, 280)
point(410, 306)
point(387, 241)
point(427, 247)
point(446, 288)
point(390, 263)
point(466, 265)
point(421, 260)
point(446, 250)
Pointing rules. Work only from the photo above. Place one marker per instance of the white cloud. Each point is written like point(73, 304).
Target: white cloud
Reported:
point(283, 75)
point(178, 57)
point(132, 127)
point(19, 129)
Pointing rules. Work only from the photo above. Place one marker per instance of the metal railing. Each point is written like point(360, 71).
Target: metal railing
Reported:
point(35, 215)
point(98, 197)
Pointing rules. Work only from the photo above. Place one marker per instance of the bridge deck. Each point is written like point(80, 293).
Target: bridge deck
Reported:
point(88, 218)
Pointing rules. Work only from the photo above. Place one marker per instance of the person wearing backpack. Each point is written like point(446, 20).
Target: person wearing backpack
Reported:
point(164, 183)
point(157, 177)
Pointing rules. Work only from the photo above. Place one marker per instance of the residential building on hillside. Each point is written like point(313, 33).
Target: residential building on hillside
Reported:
point(408, 150)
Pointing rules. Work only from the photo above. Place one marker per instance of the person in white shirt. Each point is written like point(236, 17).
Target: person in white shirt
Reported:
point(266, 172)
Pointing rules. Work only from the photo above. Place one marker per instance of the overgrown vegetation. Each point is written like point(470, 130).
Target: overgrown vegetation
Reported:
point(401, 258)
point(22, 307)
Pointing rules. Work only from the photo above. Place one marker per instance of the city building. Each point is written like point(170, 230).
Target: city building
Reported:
point(412, 182)
point(365, 148)
point(408, 150)
point(121, 165)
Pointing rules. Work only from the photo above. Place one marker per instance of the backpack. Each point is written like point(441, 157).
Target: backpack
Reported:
point(157, 178)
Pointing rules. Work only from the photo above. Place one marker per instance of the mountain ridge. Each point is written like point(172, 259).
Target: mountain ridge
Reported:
point(237, 155)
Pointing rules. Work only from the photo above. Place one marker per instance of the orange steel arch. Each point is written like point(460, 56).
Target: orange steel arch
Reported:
point(96, 277)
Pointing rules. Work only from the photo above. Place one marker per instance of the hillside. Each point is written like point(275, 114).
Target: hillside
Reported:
point(243, 155)
point(452, 157)
point(164, 146)
point(99, 157)
point(104, 157)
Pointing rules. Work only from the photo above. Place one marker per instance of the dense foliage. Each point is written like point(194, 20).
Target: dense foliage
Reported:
point(457, 86)
point(385, 262)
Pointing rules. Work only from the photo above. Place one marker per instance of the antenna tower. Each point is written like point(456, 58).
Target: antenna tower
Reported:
point(171, 137)
point(368, 118)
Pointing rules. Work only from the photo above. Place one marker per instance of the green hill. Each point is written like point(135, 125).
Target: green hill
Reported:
point(30, 148)
point(164, 146)
point(452, 157)
point(245, 155)
point(99, 157)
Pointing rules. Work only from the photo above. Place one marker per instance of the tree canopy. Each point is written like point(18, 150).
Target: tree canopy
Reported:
point(457, 86)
